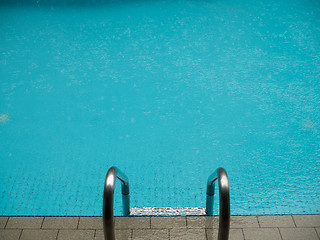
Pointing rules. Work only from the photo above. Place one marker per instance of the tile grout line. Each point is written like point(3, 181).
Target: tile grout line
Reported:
point(206, 233)
point(258, 222)
point(169, 233)
point(57, 235)
point(6, 223)
point(78, 223)
point(187, 222)
point(243, 234)
point(42, 223)
point(20, 234)
point(317, 233)
point(295, 225)
point(280, 233)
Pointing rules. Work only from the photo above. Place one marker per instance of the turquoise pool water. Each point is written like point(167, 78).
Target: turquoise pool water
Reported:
point(165, 90)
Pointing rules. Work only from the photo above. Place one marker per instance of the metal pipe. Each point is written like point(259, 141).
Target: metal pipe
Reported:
point(224, 196)
point(108, 221)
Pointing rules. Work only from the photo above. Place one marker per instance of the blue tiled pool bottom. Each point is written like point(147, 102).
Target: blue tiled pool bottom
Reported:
point(165, 90)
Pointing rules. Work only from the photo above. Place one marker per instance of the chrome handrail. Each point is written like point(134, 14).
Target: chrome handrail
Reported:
point(108, 222)
point(224, 196)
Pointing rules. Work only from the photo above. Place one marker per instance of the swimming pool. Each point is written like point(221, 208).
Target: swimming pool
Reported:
point(165, 90)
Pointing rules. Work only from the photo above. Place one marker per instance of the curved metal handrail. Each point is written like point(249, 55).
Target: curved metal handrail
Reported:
point(108, 222)
point(224, 196)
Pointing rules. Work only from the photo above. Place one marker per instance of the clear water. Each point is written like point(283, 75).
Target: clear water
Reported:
point(167, 91)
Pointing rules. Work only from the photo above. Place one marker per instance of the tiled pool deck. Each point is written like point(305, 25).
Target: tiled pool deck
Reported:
point(287, 227)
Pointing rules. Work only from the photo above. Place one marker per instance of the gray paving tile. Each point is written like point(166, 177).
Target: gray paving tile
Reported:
point(234, 234)
point(318, 231)
point(90, 223)
point(307, 220)
point(276, 221)
point(298, 234)
point(212, 234)
point(190, 234)
point(60, 223)
point(244, 222)
point(262, 234)
point(24, 222)
point(39, 234)
point(168, 222)
point(132, 222)
point(10, 234)
point(75, 235)
point(99, 235)
point(203, 222)
point(150, 234)
point(121, 234)
point(3, 222)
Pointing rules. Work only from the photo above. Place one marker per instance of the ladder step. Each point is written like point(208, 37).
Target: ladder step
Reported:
point(150, 211)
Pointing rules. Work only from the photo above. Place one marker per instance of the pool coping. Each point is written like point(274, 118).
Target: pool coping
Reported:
point(259, 227)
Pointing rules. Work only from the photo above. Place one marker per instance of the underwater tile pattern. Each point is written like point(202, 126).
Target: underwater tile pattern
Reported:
point(167, 91)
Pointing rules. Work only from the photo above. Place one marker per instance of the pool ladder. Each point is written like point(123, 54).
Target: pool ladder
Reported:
point(114, 173)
